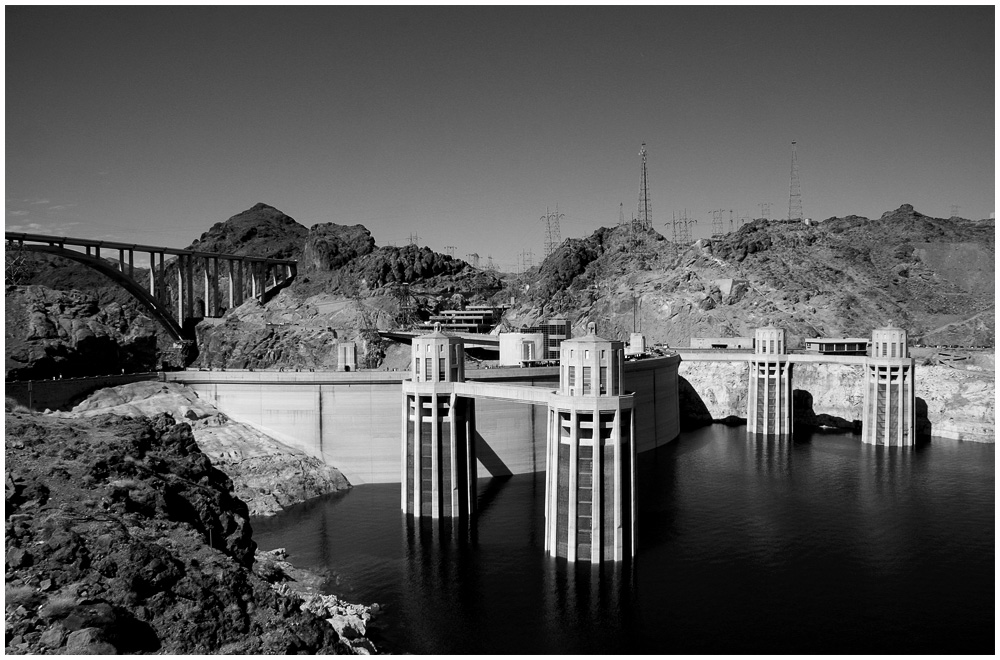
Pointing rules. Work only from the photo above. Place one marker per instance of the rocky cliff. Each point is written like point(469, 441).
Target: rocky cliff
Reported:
point(121, 537)
point(51, 334)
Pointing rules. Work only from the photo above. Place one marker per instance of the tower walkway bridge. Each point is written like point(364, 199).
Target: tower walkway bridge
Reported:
point(244, 276)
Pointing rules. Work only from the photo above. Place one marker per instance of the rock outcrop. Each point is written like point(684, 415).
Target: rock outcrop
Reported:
point(267, 475)
point(260, 231)
point(331, 246)
point(52, 334)
point(121, 537)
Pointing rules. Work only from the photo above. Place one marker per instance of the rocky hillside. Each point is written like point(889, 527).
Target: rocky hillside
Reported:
point(842, 276)
point(121, 537)
point(267, 475)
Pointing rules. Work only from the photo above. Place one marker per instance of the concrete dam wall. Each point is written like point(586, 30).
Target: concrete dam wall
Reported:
point(354, 421)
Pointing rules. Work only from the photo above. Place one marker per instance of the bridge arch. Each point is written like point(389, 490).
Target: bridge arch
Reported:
point(154, 307)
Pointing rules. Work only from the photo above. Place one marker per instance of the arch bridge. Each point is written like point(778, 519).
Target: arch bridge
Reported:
point(246, 277)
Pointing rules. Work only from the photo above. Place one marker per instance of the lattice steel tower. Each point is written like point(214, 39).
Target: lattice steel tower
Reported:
point(552, 238)
point(645, 219)
point(794, 193)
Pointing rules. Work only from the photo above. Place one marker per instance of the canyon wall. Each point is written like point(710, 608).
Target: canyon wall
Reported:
point(951, 403)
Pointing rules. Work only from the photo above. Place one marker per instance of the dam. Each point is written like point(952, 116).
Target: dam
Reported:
point(351, 420)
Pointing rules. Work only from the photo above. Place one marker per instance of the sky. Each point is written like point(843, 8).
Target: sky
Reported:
point(464, 126)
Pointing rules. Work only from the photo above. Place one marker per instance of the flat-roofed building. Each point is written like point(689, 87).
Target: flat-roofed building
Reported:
point(837, 345)
point(475, 318)
point(722, 342)
point(521, 348)
point(555, 331)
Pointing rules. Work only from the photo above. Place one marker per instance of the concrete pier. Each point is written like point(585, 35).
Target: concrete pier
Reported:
point(769, 412)
point(890, 400)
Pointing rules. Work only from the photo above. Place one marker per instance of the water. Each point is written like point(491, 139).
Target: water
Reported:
point(823, 545)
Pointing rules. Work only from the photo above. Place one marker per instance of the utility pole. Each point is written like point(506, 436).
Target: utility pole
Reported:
point(794, 193)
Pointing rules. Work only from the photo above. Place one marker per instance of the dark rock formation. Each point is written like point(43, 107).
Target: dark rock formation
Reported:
point(331, 246)
point(68, 333)
point(122, 538)
point(260, 231)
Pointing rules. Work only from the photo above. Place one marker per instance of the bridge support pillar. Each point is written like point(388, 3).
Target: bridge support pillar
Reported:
point(769, 404)
point(189, 286)
point(590, 494)
point(438, 434)
point(180, 290)
point(152, 275)
point(890, 401)
point(207, 276)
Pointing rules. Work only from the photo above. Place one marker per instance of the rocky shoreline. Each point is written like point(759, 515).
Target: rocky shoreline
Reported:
point(122, 537)
point(268, 475)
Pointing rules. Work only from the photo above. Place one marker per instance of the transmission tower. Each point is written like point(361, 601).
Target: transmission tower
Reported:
point(15, 269)
point(954, 210)
point(621, 214)
point(644, 211)
point(407, 316)
point(794, 193)
point(527, 258)
point(475, 259)
point(489, 263)
point(552, 239)
point(673, 225)
point(717, 228)
point(765, 210)
point(413, 239)
point(687, 226)
point(450, 250)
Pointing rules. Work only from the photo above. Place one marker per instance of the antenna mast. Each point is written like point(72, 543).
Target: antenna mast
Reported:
point(794, 193)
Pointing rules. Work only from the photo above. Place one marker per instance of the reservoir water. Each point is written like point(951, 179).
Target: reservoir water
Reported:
point(820, 545)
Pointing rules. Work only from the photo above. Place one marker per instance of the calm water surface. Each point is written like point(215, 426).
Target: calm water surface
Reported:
point(822, 545)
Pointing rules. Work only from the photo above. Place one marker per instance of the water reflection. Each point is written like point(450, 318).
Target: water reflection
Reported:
point(849, 538)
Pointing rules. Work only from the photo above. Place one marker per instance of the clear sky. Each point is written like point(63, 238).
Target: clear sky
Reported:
point(461, 126)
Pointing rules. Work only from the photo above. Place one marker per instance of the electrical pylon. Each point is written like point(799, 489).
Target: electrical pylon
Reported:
point(552, 238)
point(794, 193)
point(645, 212)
